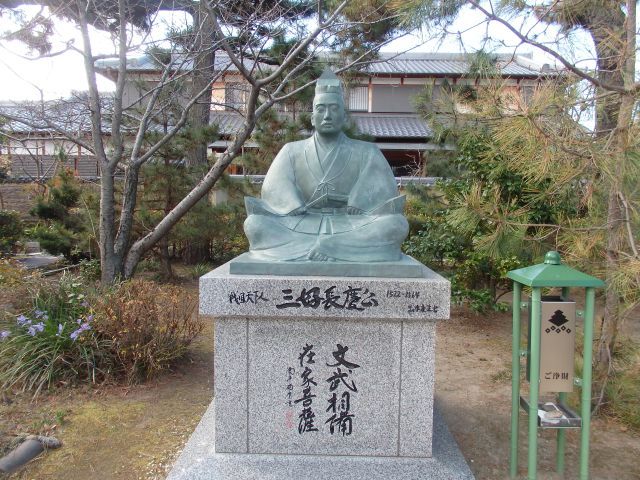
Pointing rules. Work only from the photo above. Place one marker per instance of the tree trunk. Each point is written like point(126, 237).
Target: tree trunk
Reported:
point(203, 71)
point(199, 115)
point(165, 258)
point(613, 117)
point(111, 265)
point(195, 252)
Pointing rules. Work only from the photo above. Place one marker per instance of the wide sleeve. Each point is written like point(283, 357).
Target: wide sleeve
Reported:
point(375, 184)
point(279, 189)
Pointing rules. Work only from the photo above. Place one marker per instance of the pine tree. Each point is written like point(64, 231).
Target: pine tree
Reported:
point(65, 212)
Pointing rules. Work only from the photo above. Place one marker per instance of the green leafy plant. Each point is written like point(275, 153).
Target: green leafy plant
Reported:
point(90, 269)
point(11, 230)
point(486, 221)
point(480, 300)
point(477, 279)
point(149, 264)
point(65, 225)
point(53, 341)
point(436, 243)
point(200, 269)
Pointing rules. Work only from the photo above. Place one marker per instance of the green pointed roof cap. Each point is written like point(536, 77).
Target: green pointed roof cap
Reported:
point(552, 273)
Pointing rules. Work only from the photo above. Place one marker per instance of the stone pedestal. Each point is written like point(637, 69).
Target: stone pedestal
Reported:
point(200, 461)
point(323, 370)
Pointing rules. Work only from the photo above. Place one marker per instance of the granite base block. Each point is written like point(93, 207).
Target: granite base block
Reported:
point(199, 461)
point(224, 294)
point(390, 405)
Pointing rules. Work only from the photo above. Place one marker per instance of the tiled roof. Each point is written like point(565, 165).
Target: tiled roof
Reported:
point(73, 116)
point(229, 123)
point(387, 64)
point(374, 125)
point(70, 114)
point(450, 64)
point(148, 63)
point(392, 126)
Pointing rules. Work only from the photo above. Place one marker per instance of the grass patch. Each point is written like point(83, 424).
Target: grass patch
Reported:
point(502, 376)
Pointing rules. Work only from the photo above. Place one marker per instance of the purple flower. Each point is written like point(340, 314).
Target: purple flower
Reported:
point(5, 334)
point(85, 304)
point(22, 321)
point(38, 313)
point(60, 329)
point(78, 321)
point(35, 328)
point(75, 334)
point(90, 318)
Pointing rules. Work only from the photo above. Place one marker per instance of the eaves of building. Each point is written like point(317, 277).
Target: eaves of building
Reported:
point(409, 131)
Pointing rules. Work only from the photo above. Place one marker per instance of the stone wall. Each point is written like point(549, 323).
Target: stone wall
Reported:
point(19, 197)
point(26, 167)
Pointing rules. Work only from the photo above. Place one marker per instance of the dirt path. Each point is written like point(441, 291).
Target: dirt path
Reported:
point(136, 433)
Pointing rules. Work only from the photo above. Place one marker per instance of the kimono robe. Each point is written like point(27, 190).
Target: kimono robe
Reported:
point(345, 205)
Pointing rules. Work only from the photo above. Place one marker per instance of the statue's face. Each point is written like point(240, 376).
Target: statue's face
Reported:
point(328, 115)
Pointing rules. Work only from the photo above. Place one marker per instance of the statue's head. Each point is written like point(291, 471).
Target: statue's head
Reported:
point(328, 115)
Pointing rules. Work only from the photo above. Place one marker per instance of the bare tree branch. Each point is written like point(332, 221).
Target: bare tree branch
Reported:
point(555, 54)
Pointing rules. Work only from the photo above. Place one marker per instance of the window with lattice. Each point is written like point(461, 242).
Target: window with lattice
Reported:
point(358, 99)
